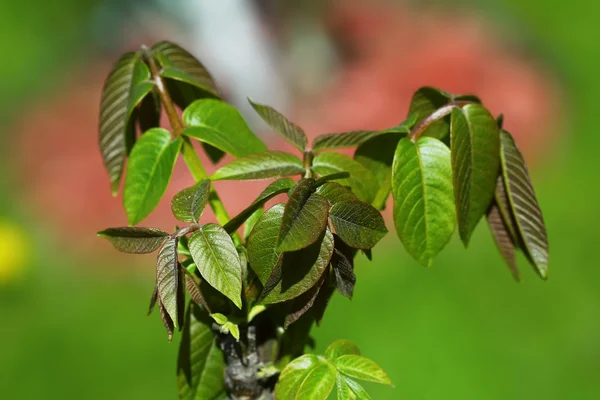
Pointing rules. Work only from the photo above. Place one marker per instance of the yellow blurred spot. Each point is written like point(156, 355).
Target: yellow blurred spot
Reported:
point(12, 252)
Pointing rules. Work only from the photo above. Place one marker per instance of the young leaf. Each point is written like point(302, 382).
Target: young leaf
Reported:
point(135, 240)
point(200, 364)
point(300, 305)
point(194, 291)
point(524, 205)
point(298, 271)
point(306, 377)
point(359, 367)
point(219, 318)
point(279, 186)
point(188, 204)
point(348, 389)
point(148, 173)
point(424, 102)
point(153, 300)
point(251, 221)
point(362, 181)
point(304, 218)
point(340, 348)
point(181, 66)
point(335, 193)
point(342, 263)
point(166, 320)
point(423, 200)
point(222, 126)
point(357, 223)
point(280, 124)
point(217, 260)
point(265, 165)
point(115, 129)
point(168, 280)
point(475, 163)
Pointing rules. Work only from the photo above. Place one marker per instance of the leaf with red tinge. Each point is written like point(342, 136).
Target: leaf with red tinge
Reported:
point(135, 240)
point(342, 262)
point(168, 280)
point(189, 203)
point(357, 223)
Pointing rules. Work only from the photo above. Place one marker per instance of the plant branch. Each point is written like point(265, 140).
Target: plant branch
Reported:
point(307, 161)
point(435, 116)
point(187, 149)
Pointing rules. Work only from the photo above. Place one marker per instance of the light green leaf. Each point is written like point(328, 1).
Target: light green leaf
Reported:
point(348, 389)
point(424, 212)
point(168, 280)
point(341, 347)
point(265, 165)
point(135, 240)
point(279, 186)
point(335, 193)
point(362, 181)
point(233, 329)
point(219, 318)
point(200, 364)
point(304, 218)
point(221, 125)
point(306, 377)
point(251, 221)
point(188, 204)
point(148, 173)
point(475, 164)
point(523, 205)
point(359, 367)
point(262, 243)
point(357, 223)
point(280, 124)
point(218, 261)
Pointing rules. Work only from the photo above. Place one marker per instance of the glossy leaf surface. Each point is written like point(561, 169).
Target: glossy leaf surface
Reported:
point(280, 124)
point(188, 204)
point(341, 347)
point(362, 368)
point(357, 223)
point(348, 389)
point(306, 377)
point(265, 165)
point(262, 243)
point(135, 240)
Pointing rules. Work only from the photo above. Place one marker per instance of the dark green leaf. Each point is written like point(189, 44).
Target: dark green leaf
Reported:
point(222, 126)
point(148, 173)
point(524, 205)
point(362, 181)
point(262, 243)
point(331, 177)
point(115, 129)
point(307, 377)
point(335, 193)
point(153, 300)
point(362, 368)
point(168, 279)
point(298, 271)
point(200, 364)
point(322, 300)
point(424, 102)
point(280, 124)
point(423, 198)
point(279, 186)
point(149, 111)
point(269, 164)
point(342, 263)
point(475, 164)
point(188, 204)
point(180, 65)
point(300, 305)
point(217, 260)
point(341, 347)
point(357, 223)
point(135, 240)
point(304, 218)
point(251, 221)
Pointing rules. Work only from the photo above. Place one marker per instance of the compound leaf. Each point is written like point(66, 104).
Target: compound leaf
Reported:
point(188, 204)
point(423, 200)
point(359, 367)
point(148, 173)
point(475, 164)
point(265, 165)
point(168, 280)
point(357, 223)
point(280, 124)
point(135, 240)
point(218, 261)
point(306, 377)
point(221, 125)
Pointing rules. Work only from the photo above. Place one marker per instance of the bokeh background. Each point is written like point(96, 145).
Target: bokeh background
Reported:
point(72, 309)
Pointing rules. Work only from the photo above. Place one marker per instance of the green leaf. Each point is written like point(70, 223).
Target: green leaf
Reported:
point(148, 173)
point(251, 221)
point(348, 389)
point(340, 348)
point(180, 65)
point(262, 243)
point(423, 197)
point(335, 193)
point(149, 111)
point(342, 263)
point(424, 102)
point(304, 218)
point(502, 227)
point(269, 164)
point(168, 280)
point(298, 271)
point(116, 132)
point(135, 240)
point(188, 204)
point(222, 126)
point(200, 364)
point(217, 260)
point(357, 223)
point(279, 186)
point(362, 181)
point(306, 377)
point(331, 177)
point(280, 124)
point(219, 318)
point(359, 367)
point(475, 164)
point(233, 329)
point(523, 205)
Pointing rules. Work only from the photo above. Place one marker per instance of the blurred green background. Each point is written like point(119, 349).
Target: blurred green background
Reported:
point(73, 324)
